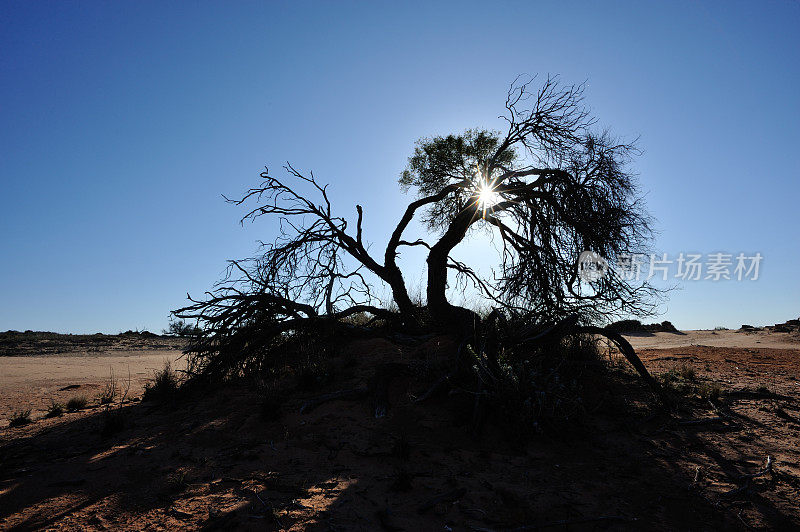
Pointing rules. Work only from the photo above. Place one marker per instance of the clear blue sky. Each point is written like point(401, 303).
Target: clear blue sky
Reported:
point(121, 123)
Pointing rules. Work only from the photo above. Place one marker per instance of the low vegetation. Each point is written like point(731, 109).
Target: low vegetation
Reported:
point(181, 328)
point(683, 381)
point(109, 391)
point(20, 418)
point(55, 410)
point(77, 403)
point(163, 387)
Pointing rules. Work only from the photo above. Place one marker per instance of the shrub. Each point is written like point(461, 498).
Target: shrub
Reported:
point(626, 326)
point(110, 390)
point(177, 480)
point(20, 418)
point(55, 410)
point(547, 386)
point(164, 385)
point(686, 372)
point(710, 392)
point(181, 328)
point(77, 403)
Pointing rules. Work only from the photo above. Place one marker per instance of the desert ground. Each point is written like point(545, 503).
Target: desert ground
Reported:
point(219, 459)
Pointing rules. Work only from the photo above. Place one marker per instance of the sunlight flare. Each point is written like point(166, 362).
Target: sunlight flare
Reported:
point(485, 194)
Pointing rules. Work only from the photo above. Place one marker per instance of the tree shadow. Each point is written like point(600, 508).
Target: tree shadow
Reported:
point(213, 461)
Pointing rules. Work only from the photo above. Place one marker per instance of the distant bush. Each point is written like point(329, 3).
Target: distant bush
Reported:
point(626, 326)
point(77, 403)
point(636, 326)
point(20, 418)
point(181, 328)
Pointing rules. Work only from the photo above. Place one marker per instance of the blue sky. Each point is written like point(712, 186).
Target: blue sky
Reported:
point(121, 123)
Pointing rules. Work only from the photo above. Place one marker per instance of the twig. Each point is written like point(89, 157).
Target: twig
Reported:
point(747, 478)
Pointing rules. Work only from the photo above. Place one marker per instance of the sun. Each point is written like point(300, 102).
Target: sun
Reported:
point(486, 195)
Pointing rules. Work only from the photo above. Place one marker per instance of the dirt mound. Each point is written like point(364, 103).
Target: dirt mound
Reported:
point(790, 326)
point(245, 458)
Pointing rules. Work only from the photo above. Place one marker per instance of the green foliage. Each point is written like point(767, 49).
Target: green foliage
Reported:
point(20, 418)
point(441, 161)
point(683, 381)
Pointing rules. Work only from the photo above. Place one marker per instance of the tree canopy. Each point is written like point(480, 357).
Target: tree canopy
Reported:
point(550, 187)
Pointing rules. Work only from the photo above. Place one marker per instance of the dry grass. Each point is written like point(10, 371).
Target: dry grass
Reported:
point(55, 410)
point(164, 386)
point(77, 403)
point(20, 418)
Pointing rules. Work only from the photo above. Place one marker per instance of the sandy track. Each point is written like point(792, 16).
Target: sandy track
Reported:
point(663, 340)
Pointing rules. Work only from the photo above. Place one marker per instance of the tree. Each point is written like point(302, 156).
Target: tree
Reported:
point(550, 187)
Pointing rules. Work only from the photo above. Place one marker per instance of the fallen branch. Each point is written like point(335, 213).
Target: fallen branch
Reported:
point(767, 469)
point(630, 354)
point(747, 478)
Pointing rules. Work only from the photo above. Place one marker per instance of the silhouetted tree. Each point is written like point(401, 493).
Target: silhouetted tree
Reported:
point(550, 187)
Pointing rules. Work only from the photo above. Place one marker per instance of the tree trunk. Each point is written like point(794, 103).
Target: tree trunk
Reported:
point(448, 316)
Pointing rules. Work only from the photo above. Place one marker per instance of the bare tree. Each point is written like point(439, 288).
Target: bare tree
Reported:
point(549, 188)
